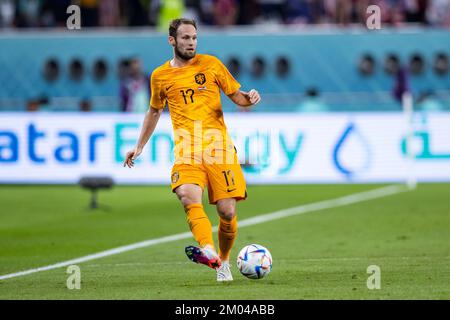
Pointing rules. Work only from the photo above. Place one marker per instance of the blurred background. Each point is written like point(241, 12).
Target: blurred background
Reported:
point(307, 58)
point(321, 55)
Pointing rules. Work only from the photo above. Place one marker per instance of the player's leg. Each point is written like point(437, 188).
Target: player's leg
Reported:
point(190, 196)
point(226, 186)
point(226, 208)
point(188, 182)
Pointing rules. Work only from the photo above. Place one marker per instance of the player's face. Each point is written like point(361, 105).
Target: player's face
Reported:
point(186, 42)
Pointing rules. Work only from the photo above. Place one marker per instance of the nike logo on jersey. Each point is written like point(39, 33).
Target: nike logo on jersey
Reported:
point(167, 88)
point(231, 190)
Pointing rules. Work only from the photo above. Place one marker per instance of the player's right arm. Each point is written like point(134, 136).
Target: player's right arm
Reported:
point(245, 99)
point(150, 120)
point(157, 103)
point(230, 86)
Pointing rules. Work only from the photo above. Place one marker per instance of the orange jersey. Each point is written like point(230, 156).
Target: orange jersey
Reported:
point(192, 93)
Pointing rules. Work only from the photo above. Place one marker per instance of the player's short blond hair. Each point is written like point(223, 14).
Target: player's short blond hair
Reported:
point(176, 23)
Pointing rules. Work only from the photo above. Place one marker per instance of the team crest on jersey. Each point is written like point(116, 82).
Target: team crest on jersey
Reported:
point(175, 177)
point(200, 78)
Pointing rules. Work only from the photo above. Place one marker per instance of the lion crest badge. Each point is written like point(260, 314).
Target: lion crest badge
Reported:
point(200, 78)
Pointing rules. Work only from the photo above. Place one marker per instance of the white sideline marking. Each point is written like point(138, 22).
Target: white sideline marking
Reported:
point(326, 204)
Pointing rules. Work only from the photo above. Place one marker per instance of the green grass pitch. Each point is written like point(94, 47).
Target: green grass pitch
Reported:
point(317, 255)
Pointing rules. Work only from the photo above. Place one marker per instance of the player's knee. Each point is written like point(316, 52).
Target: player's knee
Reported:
point(228, 216)
point(227, 212)
point(186, 198)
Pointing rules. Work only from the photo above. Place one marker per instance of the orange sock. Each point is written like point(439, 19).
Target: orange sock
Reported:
point(227, 234)
point(199, 224)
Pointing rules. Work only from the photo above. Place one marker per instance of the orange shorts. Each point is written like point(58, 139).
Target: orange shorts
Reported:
point(223, 180)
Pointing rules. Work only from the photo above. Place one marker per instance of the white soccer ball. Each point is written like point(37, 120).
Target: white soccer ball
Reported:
point(254, 261)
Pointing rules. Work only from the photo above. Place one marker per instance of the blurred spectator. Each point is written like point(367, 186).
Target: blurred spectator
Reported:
point(359, 10)
point(27, 13)
point(109, 13)
point(330, 11)
point(54, 13)
point(136, 12)
point(272, 10)
point(192, 9)
point(401, 84)
point(225, 12)
point(169, 10)
point(207, 11)
point(396, 16)
point(312, 102)
point(135, 88)
point(438, 13)
point(33, 105)
point(37, 104)
point(89, 13)
point(7, 11)
point(427, 101)
point(392, 12)
point(415, 10)
point(297, 12)
point(248, 12)
point(85, 105)
point(343, 12)
point(304, 11)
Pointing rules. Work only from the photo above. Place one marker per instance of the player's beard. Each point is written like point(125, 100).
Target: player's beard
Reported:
point(184, 56)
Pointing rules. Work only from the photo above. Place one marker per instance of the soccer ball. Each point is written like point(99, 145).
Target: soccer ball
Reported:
point(254, 261)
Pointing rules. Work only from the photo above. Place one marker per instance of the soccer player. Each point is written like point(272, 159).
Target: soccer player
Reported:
point(205, 156)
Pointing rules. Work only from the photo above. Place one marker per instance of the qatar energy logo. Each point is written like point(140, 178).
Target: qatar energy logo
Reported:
point(65, 148)
point(45, 148)
point(272, 148)
point(77, 142)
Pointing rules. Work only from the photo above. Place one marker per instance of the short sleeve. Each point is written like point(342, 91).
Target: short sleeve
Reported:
point(225, 79)
point(158, 99)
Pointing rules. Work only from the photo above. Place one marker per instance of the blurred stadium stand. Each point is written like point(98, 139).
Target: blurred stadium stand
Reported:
point(301, 55)
point(129, 13)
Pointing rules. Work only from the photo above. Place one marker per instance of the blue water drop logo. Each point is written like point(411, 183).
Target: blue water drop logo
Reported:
point(352, 154)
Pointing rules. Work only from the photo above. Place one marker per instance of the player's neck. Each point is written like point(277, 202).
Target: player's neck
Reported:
point(177, 62)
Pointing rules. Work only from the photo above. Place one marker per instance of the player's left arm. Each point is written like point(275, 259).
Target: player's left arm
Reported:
point(245, 99)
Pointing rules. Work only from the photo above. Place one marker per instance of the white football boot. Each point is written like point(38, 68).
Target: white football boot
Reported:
point(224, 272)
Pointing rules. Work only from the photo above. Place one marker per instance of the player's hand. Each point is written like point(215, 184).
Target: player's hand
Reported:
point(253, 96)
point(131, 156)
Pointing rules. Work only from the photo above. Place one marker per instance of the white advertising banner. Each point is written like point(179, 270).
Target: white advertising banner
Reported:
point(273, 148)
